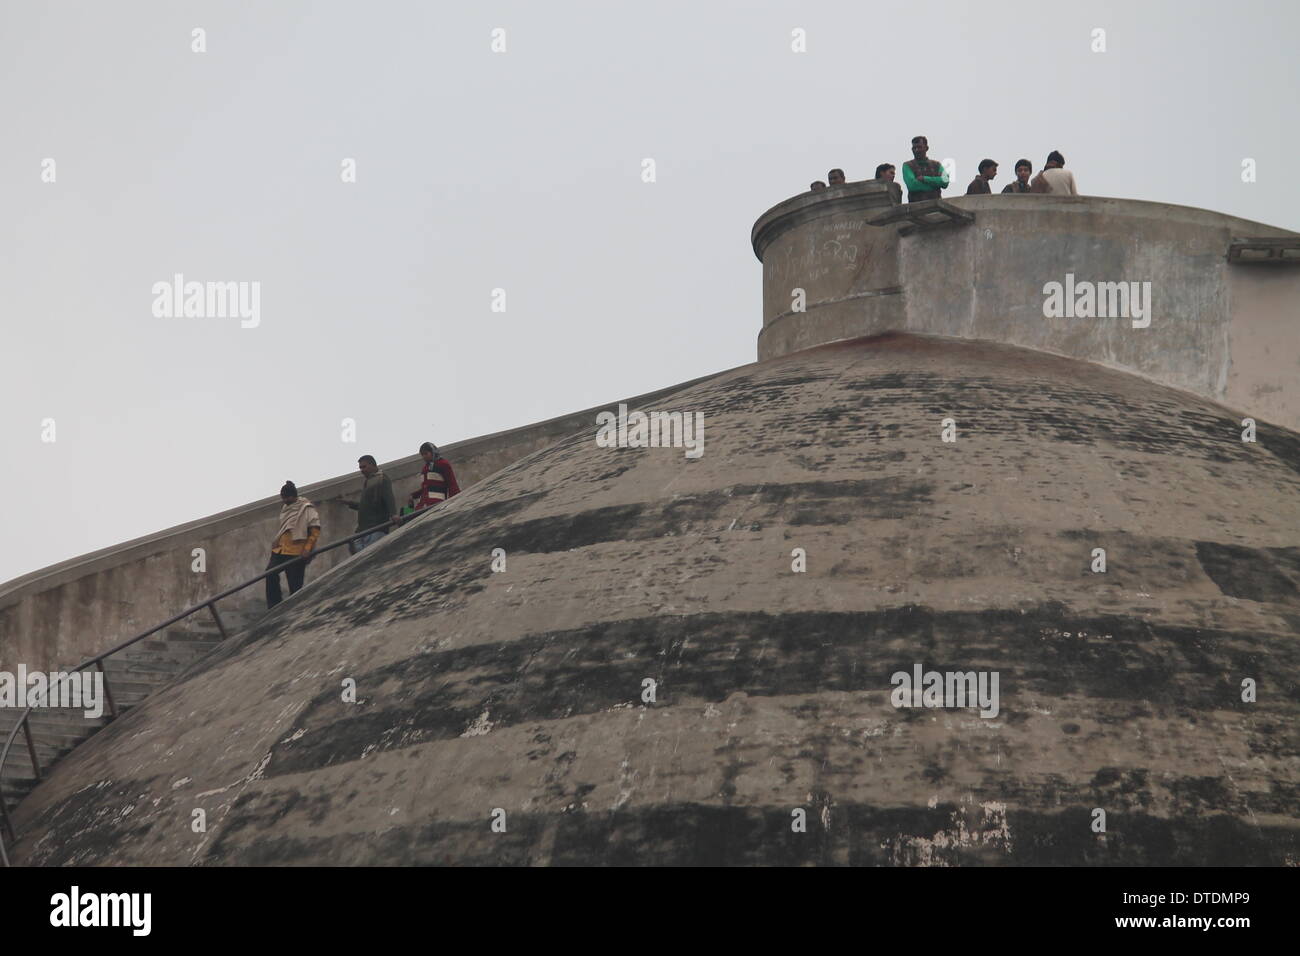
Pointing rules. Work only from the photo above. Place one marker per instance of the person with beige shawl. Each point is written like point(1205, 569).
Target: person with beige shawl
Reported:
point(1055, 178)
point(297, 537)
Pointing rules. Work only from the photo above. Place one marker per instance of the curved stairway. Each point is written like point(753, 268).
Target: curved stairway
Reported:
point(132, 675)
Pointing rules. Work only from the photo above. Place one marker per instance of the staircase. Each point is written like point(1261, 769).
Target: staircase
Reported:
point(131, 675)
point(148, 661)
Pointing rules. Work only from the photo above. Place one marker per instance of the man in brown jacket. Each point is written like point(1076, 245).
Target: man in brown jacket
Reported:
point(1021, 183)
point(979, 186)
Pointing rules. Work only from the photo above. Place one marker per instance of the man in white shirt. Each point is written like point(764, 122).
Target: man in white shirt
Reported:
point(1055, 178)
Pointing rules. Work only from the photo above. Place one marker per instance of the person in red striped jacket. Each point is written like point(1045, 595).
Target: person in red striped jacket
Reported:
point(437, 480)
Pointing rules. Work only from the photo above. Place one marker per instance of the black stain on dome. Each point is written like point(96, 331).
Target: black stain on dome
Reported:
point(1044, 410)
point(695, 834)
point(445, 562)
point(706, 658)
point(1255, 574)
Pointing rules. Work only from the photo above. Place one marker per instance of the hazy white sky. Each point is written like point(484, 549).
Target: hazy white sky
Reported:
point(518, 170)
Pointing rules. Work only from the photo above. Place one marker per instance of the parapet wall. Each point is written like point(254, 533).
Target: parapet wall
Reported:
point(1229, 332)
point(59, 616)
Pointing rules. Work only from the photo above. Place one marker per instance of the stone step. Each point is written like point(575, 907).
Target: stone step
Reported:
point(188, 637)
point(152, 647)
point(204, 629)
point(157, 643)
point(52, 745)
point(48, 753)
point(127, 701)
point(123, 683)
point(119, 684)
point(157, 679)
point(141, 668)
point(52, 737)
point(201, 621)
point(39, 714)
point(55, 724)
point(157, 646)
point(182, 635)
point(162, 672)
point(57, 737)
point(15, 793)
point(45, 753)
point(44, 717)
point(18, 771)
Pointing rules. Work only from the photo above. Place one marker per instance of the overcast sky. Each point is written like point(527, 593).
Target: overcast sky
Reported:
point(519, 170)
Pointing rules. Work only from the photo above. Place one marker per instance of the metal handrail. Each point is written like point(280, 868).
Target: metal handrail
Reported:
point(98, 660)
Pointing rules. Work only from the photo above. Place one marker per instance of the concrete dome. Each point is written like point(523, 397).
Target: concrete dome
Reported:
point(522, 691)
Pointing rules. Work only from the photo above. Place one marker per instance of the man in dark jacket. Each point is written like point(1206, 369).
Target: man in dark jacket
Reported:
point(1021, 183)
point(376, 505)
point(979, 186)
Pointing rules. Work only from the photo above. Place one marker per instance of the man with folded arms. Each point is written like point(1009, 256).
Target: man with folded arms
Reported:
point(924, 177)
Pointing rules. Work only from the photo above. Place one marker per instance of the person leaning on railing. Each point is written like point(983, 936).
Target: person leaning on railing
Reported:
point(437, 480)
point(376, 504)
point(298, 534)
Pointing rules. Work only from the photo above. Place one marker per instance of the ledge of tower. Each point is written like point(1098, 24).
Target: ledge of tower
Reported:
point(1172, 298)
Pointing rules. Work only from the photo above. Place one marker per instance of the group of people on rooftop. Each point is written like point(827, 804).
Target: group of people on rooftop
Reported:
point(376, 509)
point(926, 179)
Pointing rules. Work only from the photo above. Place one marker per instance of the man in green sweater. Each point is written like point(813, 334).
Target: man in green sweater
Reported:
point(376, 506)
point(924, 177)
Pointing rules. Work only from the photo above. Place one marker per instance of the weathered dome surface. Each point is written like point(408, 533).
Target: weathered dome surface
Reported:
point(523, 690)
